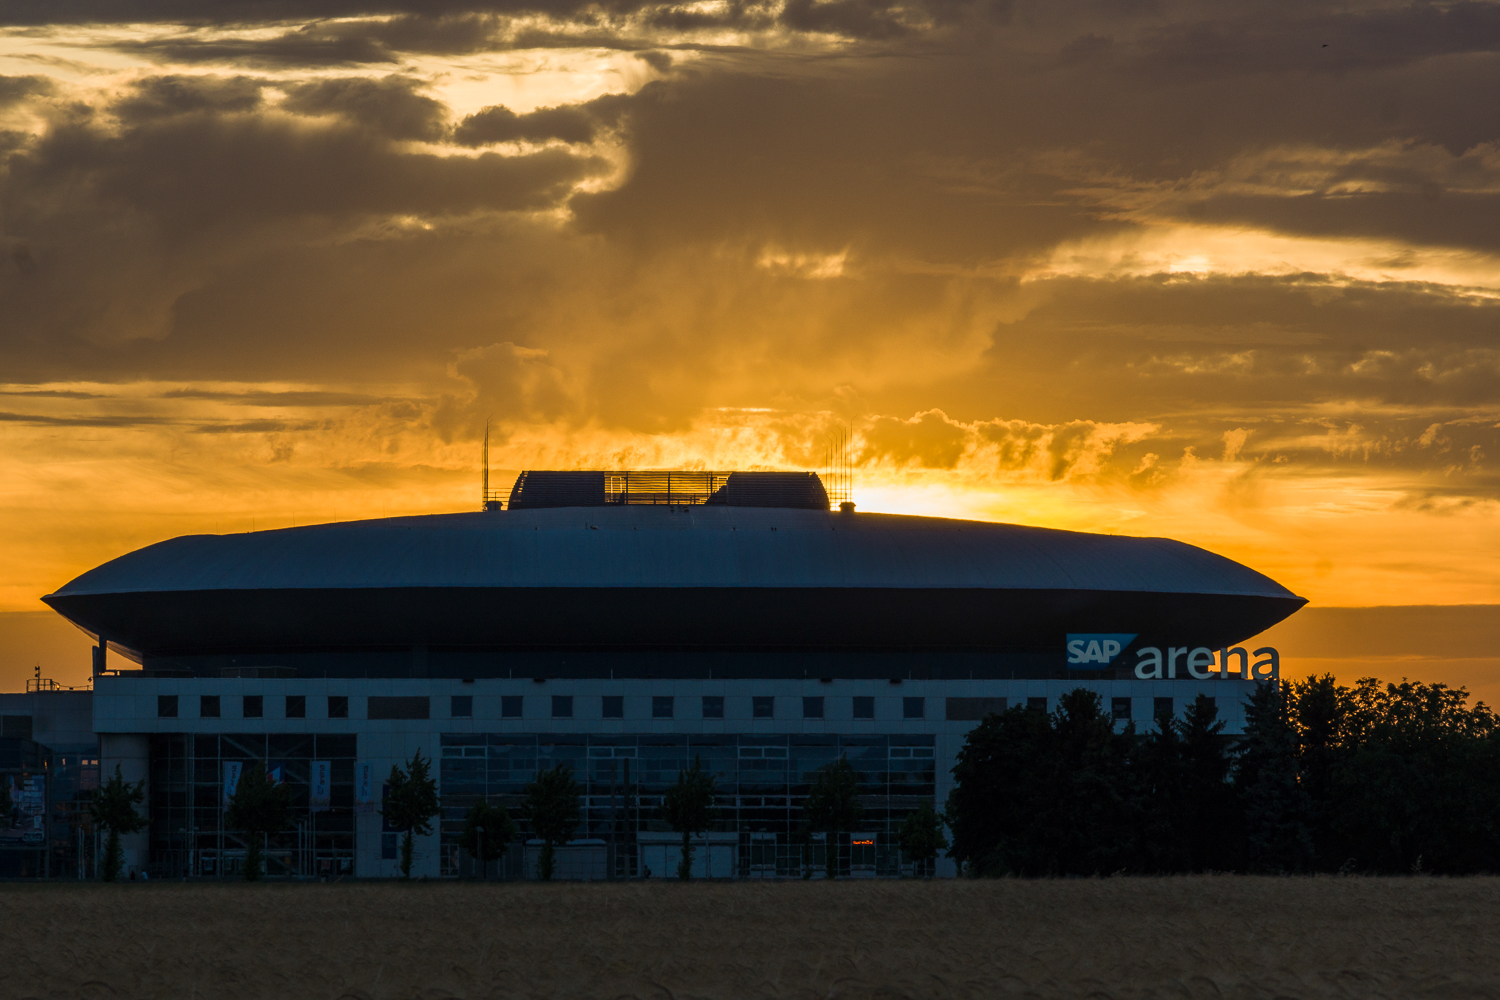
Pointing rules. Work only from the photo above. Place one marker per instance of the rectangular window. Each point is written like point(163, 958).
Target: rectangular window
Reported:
point(208, 706)
point(462, 706)
point(913, 708)
point(864, 707)
point(510, 706)
point(614, 706)
point(16, 725)
point(973, 709)
point(398, 707)
point(166, 706)
point(763, 707)
point(1120, 707)
point(562, 706)
point(661, 706)
point(389, 846)
point(338, 706)
point(1161, 708)
point(812, 708)
point(255, 706)
point(713, 706)
point(1036, 704)
point(296, 706)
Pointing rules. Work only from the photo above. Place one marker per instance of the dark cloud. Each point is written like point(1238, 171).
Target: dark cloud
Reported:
point(14, 89)
point(40, 420)
point(570, 123)
point(285, 398)
point(1322, 41)
point(303, 48)
point(55, 393)
point(390, 105)
point(165, 96)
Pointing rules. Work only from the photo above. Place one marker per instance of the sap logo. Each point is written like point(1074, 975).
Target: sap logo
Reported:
point(1201, 664)
point(1096, 650)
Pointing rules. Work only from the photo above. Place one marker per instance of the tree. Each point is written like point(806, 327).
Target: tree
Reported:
point(833, 805)
point(1278, 835)
point(688, 807)
point(411, 804)
point(553, 808)
point(921, 836)
point(488, 831)
point(1211, 818)
point(6, 805)
point(113, 809)
point(260, 807)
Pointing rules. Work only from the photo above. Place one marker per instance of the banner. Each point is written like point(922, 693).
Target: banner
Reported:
point(232, 769)
point(364, 787)
point(322, 782)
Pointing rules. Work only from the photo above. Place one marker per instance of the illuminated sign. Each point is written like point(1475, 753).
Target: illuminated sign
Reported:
point(1096, 650)
point(867, 843)
point(1099, 650)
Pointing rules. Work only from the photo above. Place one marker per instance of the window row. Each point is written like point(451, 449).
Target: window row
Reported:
point(461, 706)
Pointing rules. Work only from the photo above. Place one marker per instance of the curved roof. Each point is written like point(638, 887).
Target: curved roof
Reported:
point(672, 547)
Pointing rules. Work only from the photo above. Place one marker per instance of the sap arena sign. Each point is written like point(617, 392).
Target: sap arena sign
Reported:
point(1100, 650)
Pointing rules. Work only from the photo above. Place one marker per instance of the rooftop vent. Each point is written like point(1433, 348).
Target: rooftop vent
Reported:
point(801, 490)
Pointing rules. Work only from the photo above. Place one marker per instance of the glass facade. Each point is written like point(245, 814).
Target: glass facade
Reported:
point(761, 781)
point(186, 791)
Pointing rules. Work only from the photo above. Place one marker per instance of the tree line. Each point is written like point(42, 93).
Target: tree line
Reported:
point(1325, 778)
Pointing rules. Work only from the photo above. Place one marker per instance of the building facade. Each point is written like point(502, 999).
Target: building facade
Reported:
point(627, 627)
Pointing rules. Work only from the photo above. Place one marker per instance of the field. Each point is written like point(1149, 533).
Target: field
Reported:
point(1177, 937)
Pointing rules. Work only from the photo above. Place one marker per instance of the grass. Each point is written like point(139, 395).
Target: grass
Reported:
point(1211, 937)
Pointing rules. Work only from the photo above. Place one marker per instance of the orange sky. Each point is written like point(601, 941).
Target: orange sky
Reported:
point(1224, 272)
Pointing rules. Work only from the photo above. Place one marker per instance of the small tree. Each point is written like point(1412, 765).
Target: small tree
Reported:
point(688, 807)
point(6, 805)
point(553, 808)
point(921, 836)
point(833, 805)
point(488, 830)
point(411, 804)
point(114, 810)
point(260, 807)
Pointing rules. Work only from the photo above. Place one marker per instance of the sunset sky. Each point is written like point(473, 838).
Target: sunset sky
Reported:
point(1228, 272)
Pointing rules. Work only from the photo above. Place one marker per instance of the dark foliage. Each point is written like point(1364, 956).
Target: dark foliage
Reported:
point(688, 807)
point(488, 831)
point(552, 805)
point(113, 809)
point(411, 804)
point(259, 806)
point(833, 805)
point(1404, 778)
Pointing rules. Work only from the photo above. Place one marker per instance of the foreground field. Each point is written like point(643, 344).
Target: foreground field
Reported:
point(1180, 937)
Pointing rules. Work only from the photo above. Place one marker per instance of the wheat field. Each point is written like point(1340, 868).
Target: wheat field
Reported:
point(1206, 937)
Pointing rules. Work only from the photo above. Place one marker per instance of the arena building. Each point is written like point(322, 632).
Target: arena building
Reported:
point(626, 623)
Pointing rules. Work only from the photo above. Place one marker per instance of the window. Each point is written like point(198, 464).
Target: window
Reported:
point(812, 708)
point(208, 706)
point(398, 707)
point(864, 707)
point(462, 706)
point(1120, 707)
point(713, 706)
point(661, 707)
point(389, 846)
point(255, 706)
point(763, 708)
point(973, 709)
point(296, 706)
point(510, 706)
point(338, 706)
point(562, 706)
point(166, 706)
point(1161, 708)
point(614, 706)
point(1036, 704)
point(913, 708)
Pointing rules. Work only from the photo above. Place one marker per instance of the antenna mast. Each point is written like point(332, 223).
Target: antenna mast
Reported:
point(484, 479)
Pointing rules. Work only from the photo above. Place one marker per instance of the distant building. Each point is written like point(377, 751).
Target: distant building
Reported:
point(625, 623)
